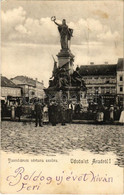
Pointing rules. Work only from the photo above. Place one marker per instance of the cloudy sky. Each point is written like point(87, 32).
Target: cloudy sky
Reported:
point(29, 37)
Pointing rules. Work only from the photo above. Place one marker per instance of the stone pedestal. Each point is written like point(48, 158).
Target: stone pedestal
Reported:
point(75, 94)
point(66, 59)
point(64, 87)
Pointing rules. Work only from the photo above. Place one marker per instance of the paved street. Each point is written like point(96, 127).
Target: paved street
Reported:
point(25, 138)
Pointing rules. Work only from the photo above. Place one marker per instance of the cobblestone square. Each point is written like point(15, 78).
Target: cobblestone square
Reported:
point(24, 137)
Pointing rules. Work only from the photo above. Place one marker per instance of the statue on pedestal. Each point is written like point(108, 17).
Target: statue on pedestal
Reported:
point(65, 33)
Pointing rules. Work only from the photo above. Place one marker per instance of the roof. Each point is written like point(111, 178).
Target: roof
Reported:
point(5, 82)
point(120, 64)
point(25, 80)
point(88, 70)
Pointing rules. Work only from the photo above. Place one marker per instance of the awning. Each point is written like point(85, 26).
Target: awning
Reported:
point(2, 98)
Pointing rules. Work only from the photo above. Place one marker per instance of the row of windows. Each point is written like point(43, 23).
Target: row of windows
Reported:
point(104, 90)
point(106, 80)
point(111, 78)
point(9, 91)
point(101, 90)
point(101, 79)
point(99, 82)
point(93, 77)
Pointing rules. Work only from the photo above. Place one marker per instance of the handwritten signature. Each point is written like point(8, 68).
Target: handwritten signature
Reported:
point(22, 179)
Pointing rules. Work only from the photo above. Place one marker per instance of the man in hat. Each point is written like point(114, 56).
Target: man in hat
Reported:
point(38, 113)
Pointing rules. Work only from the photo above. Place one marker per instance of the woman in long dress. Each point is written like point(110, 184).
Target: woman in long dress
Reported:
point(111, 113)
point(122, 117)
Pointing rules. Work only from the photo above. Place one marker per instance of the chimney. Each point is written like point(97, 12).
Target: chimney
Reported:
point(91, 63)
point(106, 63)
point(36, 79)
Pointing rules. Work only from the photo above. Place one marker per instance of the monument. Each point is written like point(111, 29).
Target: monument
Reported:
point(66, 84)
point(65, 56)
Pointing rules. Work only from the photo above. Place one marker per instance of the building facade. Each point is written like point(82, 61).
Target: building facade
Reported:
point(8, 88)
point(120, 81)
point(106, 80)
point(30, 88)
point(10, 92)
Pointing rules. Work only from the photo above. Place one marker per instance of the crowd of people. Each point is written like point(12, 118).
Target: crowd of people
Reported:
point(108, 113)
point(64, 112)
point(53, 113)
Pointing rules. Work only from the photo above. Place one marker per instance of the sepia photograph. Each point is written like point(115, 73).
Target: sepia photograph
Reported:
point(62, 97)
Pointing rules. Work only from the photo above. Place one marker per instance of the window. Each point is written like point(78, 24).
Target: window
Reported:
point(112, 90)
point(102, 90)
point(121, 78)
point(73, 96)
point(121, 89)
point(107, 90)
point(113, 80)
point(32, 93)
point(107, 81)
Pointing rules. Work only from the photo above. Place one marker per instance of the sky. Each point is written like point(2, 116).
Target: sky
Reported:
point(30, 38)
